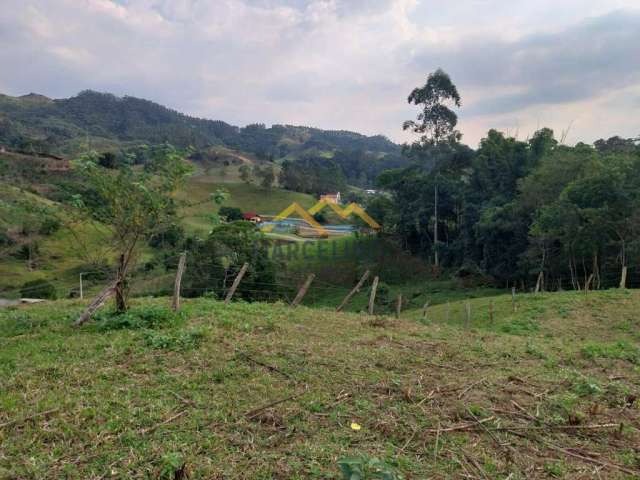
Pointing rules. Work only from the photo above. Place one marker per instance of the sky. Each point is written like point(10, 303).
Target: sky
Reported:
point(519, 65)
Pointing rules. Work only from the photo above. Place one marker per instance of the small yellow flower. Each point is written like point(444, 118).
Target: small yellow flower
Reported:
point(355, 426)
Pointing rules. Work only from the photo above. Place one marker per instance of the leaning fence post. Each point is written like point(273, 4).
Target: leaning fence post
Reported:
point(303, 290)
point(539, 282)
point(176, 287)
point(372, 297)
point(97, 302)
point(355, 290)
point(623, 278)
point(235, 283)
point(587, 285)
point(399, 306)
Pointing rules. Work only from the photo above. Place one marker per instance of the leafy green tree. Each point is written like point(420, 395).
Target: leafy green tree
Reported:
point(135, 203)
point(222, 254)
point(436, 122)
point(266, 174)
point(245, 173)
point(39, 289)
point(231, 214)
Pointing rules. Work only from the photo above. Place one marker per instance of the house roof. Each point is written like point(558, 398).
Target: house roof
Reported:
point(250, 215)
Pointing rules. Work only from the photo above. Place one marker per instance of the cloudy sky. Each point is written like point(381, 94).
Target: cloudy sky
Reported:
point(573, 65)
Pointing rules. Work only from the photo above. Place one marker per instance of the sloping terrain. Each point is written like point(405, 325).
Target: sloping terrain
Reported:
point(263, 391)
point(102, 121)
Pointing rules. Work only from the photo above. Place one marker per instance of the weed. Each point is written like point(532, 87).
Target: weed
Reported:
point(140, 317)
point(173, 340)
point(520, 326)
point(17, 323)
point(619, 351)
point(365, 468)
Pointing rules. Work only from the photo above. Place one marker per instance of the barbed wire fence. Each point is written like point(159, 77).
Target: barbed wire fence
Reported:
point(241, 282)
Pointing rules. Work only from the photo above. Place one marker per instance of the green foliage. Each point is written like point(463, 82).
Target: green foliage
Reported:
point(312, 174)
point(172, 463)
point(138, 317)
point(245, 173)
point(39, 289)
point(220, 257)
point(366, 468)
point(231, 214)
point(618, 350)
point(515, 207)
point(173, 340)
point(102, 118)
point(436, 122)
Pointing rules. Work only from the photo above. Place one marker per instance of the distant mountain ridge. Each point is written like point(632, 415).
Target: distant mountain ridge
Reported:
point(103, 121)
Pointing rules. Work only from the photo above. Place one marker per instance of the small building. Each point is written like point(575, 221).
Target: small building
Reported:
point(370, 192)
point(252, 217)
point(331, 197)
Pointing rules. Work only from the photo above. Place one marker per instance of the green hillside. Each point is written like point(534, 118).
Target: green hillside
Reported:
point(103, 122)
point(247, 197)
point(262, 391)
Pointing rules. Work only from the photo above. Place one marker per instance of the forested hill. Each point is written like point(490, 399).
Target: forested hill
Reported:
point(103, 121)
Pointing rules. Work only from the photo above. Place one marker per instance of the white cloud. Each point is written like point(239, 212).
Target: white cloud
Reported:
point(334, 63)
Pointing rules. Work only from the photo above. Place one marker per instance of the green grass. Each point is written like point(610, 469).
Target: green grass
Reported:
point(247, 197)
point(262, 391)
point(61, 256)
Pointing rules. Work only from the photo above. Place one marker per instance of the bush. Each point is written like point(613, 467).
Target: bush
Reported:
point(215, 261)
point(49, 226)
point(230, 213)
point(39, 289)
point(148, 316)
point(365, 468)
point(172, 340)
point(5, 239)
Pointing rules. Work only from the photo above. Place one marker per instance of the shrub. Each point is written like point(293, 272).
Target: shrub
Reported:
point(148, 316)
point(40, 288)
point(230, 213)
point(365, 468)
point(172, 340)
point(49, 226)
point(5, 239)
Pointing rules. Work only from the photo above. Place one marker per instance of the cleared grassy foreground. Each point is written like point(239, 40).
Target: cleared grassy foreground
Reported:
point(162, 395)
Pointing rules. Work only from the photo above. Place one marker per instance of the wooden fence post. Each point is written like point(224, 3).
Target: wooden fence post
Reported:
point(372, 297)
point(235, 283)
point(587, 285)
point(539, 282)
point(491, 312)
point(178, 282)
point(97, 302)
point(303, 290)
point(468, 318)
point(623, 278)
point(424, 310)
point(355, 290)
point(399, 305)
point(513, 299)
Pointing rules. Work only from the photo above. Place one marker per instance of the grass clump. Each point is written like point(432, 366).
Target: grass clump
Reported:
point(139, 317)
point(173, 340)
point(365, 468)
point(620, 350)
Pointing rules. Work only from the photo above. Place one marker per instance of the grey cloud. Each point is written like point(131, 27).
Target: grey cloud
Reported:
point(578, 63)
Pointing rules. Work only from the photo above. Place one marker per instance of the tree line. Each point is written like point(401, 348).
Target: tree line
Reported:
point(512, 208)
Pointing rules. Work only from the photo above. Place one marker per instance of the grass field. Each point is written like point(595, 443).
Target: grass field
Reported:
point(258, 391)
point(247, 197)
